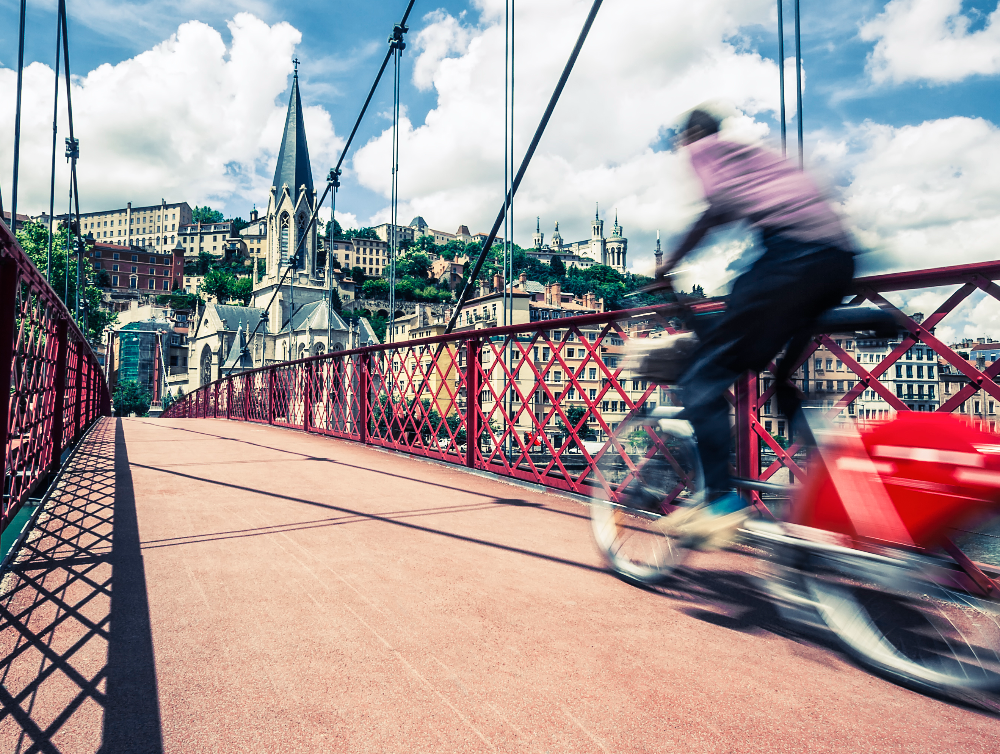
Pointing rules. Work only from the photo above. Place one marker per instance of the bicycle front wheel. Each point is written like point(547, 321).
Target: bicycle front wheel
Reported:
point(652, 467)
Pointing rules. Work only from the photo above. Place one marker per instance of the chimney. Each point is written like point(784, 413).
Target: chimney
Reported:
point(523, 280)
point(548, 293)
point(980, 361)
point(496, 281)
point(557, 294)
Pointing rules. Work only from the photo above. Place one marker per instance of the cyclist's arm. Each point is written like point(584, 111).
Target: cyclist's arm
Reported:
point(711, 218)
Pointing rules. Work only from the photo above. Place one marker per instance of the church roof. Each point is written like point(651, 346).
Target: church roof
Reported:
point(293, 168)
point(314, 315)
point(239, 356)
point(419, 223)
point(237, 317)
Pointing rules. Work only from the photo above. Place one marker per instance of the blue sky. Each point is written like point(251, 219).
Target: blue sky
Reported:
point(900, 109)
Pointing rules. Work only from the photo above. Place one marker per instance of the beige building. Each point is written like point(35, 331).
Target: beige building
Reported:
point(254, 238)
point(209, 237)
point(371, 255)
point(150, 226)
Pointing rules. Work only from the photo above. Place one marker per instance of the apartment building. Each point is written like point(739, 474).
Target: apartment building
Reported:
point(980, 407)
point(254, 237)
point(371, 255)
point(386, 233)
point(149, 227)
point(145, 269)
point(207, 237)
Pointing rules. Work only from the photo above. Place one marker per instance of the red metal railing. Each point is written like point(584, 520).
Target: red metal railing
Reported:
point(514, 389)
point(53, 385)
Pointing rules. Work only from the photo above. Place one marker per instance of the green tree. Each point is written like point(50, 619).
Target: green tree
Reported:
point(205, 261)
point(358, 276)
point(415, 265)
point(261, 269)
point(333, 229)
point(377, 288)
point(337, 303)
point(558, 266)
point(206, 215)
point(131, 398)
point(238, 224)
point(218, 284)
point(242, 290)
point(360, 233)
point(574, 414)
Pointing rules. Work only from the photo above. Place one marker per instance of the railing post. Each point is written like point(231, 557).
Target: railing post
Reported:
point(59, 397)
point(247, 382)
point(215, 401)
point(747, 446)
point(471, 402)
point(78, 398)
point(270, 396)
point(229, 398)
point(364, 390)
point(307, 395)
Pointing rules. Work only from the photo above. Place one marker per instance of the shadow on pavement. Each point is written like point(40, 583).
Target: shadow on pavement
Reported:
point(76, 655)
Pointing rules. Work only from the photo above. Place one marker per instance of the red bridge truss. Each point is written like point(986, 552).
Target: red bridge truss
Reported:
point(514, 389)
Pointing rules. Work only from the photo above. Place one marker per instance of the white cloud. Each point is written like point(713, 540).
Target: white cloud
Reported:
point(929, 40)
point(629, 85)
point(188, 120)
point(926, 195)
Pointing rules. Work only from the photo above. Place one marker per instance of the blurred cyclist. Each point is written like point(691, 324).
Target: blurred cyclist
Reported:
point(806, 269)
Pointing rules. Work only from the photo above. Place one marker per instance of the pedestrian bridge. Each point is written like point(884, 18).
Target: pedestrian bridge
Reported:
point(388, 549)
point(204, 585)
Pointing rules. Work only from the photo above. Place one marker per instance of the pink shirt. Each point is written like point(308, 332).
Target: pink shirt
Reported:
point(753, 182)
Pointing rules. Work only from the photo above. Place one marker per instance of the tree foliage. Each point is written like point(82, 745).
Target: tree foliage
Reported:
point(131, 398)
point(358, 276)
point(359, 233)
point(574, 414)
point(242, 291)
point(206, 215)
point(218, 284)
point(95, 317)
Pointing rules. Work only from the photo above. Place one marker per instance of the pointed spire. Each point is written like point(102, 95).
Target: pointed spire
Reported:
point(293, 168)
point(597, 214)
point(538, 224)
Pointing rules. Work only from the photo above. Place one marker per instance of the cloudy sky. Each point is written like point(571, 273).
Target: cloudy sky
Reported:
point(185, 100)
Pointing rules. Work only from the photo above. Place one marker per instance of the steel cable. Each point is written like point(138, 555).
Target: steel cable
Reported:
point(553, 100)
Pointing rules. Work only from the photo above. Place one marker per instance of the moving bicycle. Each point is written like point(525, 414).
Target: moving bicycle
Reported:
point(866, 549)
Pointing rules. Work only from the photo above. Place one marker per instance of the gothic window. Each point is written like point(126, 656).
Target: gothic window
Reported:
point(206, 365)
point(283, 239)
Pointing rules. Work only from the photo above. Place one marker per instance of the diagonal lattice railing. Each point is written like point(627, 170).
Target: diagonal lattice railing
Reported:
point(546, 402)
point(51, 383)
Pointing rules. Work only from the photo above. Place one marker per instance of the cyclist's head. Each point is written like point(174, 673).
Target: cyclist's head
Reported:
point(700, 123)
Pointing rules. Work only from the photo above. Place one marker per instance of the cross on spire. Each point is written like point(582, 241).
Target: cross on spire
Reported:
point(295, 62)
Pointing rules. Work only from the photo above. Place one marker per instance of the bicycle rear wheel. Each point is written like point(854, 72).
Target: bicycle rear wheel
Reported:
point(655, 466)
point(913, 629)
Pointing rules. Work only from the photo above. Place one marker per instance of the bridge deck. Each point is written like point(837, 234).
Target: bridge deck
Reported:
point(202, 585)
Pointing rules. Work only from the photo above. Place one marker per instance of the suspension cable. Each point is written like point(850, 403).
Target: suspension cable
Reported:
point(397, 53)
point(553, 100)
point(55, 134)
point(798, 82)
point(17, 119)
point(781, 74)
point(314, 212)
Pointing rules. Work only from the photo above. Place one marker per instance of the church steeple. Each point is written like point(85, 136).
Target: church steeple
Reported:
point(293, 168)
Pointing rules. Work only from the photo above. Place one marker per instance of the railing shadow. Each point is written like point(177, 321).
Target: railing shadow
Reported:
point(77, 669)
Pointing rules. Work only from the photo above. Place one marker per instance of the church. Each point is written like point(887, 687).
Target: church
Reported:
point(298, 310)
point(291, 318)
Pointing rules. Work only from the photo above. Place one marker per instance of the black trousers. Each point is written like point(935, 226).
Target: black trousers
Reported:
point(774, 304)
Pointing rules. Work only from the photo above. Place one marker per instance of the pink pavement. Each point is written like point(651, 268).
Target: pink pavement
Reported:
point(304, 594)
